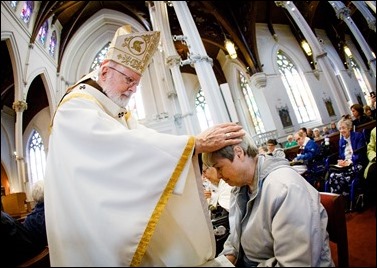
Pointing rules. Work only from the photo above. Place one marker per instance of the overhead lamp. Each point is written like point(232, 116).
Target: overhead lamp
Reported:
point(229, 45)
point(347, 51)
point(305, 46)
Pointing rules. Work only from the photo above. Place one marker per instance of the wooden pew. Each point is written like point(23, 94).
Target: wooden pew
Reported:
point(15, 204)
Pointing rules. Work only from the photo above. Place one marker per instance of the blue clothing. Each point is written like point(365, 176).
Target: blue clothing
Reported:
point(339, 179)
point(35, 224)
point(357, 142)
point(19, 243)
point(311, 150)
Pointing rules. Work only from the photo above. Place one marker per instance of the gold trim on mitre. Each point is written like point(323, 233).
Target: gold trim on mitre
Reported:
point(133, 50)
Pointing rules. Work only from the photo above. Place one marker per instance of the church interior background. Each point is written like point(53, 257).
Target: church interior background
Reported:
point(293, 64)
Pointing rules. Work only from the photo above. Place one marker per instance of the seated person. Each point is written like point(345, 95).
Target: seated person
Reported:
point(290, 141)
point(217, 193)
point(369, 112)
point(35, 220)
point(19, 244)
point(263, 149)
point(350, 149)
point(359, 116)
point(317, 134)
point(273, 150)
point(370, 170)
point(333, 128)
point(325, 130)
point(276, 217)
point(309, 150)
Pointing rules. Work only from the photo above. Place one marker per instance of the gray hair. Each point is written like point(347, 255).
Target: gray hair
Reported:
point(346, 121)
point(38, 191)
point(247, 144)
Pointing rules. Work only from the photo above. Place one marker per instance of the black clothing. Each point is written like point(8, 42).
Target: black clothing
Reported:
point(19, 245)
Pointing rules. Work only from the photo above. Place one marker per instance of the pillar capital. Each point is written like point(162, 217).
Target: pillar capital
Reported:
point(19, 106)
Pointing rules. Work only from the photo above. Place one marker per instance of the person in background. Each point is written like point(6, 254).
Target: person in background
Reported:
point(35, 220)
point(18, 242)
point(276, 217)
point(290, 141)
point(333, 128)
point(317, 134)
point(309, 148)
point(273, 150)
point(359, 117)
point(369, 112)
point(325, 130)
point(351, 155)
point(115, 191)
point(263, 149)
point(218, 193)
point(307, 131)
point(310, 134)
point(372, 101)
point(370, 170)
point(308, 152)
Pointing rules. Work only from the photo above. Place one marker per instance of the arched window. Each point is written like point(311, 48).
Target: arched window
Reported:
point(52, 45)
point(251, 105)
point(27, 10)
point(42, 34)
point(202, 112)
point(98, 59)
point(135, 105)
point(37, 157)
point(357, 71)
point(298, 93)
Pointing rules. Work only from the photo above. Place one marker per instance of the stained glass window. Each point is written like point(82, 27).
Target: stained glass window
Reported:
point(42, 34)
point(251, 105)
point(298, 93)
point(98, 59)
point(37, 157)
point(357, 71)
point(27, 10)
point(202, 111)
point(52, 46)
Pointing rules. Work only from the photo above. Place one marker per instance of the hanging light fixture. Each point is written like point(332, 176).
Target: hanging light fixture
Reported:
point(347, 51)
point(229, 45)
point(305, 46)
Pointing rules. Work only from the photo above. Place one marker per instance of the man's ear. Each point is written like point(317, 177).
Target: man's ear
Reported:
point(238, 151)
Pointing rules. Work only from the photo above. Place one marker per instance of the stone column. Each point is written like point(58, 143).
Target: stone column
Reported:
point(19, 106)
point(343, 13)
point(184, 114)
point(369, 17)
point(199, 59)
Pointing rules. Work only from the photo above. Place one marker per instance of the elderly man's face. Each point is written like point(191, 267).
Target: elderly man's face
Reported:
point(119, 83)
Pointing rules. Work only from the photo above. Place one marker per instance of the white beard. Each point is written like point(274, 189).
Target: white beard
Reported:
point(121, 100)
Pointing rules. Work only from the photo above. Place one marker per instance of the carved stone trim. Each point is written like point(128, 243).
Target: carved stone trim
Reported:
point(19, 106)
point(259, 80)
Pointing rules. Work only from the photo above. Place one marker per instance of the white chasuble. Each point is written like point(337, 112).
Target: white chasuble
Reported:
point(119, 194)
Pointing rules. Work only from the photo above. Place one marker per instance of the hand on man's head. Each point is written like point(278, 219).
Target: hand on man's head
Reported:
point(218, 136)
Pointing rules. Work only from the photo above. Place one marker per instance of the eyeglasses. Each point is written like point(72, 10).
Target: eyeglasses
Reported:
point(130, 81)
